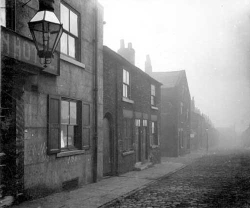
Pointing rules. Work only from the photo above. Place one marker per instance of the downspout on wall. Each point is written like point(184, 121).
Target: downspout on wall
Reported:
point(95, 139)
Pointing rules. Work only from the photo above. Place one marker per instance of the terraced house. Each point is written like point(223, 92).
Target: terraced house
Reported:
point(131, 113)
point(52, 115)
point(175, 111)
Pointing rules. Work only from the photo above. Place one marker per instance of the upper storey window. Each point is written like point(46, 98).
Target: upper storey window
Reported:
point(153, 95)
point(126, 84)
point(70, 36)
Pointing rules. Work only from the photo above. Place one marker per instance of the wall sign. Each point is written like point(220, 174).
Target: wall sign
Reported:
point(23, 49)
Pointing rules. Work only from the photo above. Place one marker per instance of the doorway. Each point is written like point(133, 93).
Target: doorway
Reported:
point(108, 159)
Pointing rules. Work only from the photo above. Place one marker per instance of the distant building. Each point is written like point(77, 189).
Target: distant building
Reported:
point(245, 138)
point(175, 111)
point(131, 114)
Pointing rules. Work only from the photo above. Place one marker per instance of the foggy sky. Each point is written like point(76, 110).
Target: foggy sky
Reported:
point(210, 39)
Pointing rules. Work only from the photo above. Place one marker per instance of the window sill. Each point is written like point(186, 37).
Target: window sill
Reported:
point(127, 100)
point(154, 108)
point(154, 146)
point(70, 153)
point(72, 61)
point(128, 153)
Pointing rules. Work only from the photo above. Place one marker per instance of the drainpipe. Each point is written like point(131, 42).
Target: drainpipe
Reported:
point(95, 139)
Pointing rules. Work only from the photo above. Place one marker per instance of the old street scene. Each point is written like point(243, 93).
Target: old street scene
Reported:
point(127, 103)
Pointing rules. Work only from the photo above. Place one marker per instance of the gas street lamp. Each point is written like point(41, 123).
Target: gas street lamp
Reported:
point(46, 31)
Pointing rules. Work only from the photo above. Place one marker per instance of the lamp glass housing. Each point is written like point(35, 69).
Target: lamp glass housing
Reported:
point(46, 31)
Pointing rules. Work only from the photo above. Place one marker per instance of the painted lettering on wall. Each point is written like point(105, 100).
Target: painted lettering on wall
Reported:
point(23, 49)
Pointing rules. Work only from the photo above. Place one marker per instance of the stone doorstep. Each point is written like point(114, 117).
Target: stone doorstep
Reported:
point(139, 166)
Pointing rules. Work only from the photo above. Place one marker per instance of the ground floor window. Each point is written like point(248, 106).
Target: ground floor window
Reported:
point(154, 133)
point(68, 120)
point(127, 135)
point(181, 137)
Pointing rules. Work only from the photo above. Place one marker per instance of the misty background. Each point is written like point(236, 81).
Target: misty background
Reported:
point(208, 39)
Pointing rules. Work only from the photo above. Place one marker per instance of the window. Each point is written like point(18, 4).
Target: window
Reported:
point(127, 135)
point(126, 84)
point(137, 122)
point(68, 125)
point(154, 132)
point(153, 95)
point(181, 108)
point(187, 113)
point(3, 13)
point(144, 123)
point(70, 36)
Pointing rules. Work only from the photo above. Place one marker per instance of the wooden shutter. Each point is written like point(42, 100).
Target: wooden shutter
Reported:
point(78, 136)
point(86, 126)
point(54, 124)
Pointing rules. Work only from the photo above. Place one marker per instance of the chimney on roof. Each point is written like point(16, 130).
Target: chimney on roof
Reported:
point(122, 45)
point(148, 66)
point(127, 53)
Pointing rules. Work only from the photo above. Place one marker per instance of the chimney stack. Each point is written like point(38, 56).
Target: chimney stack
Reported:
point(127, 53)
point(148, 66)
point(122, 45)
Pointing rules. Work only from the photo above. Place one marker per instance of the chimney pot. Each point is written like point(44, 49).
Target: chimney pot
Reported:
point(130, 45)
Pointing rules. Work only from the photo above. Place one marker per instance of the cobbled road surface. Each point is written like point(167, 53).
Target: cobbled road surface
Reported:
point(220, 179)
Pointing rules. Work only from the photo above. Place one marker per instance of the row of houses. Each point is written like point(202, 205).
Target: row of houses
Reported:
point(203, 133)
point(90, 113)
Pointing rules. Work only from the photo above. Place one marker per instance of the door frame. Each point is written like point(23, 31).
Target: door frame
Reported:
point(113, 159)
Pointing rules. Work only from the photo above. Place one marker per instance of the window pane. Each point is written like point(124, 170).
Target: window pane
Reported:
point(64, 14)
point(124, 76)
point(73, 23)
point(72, 46)
point(63, 136)
point(71, 135)
point(127, 78)
point(125, 93)
point(73, 113)
point(64, 43)
point(65, 112)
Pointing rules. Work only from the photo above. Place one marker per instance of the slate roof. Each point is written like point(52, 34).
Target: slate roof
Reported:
point(169, 79)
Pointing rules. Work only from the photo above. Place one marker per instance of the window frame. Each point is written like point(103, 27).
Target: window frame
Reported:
point(80, 136)
point(68, 33)
point(76, 125)
point(153, 95)
point(126, 84)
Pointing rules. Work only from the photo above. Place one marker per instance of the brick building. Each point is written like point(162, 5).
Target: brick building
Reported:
point(52, 134)
point(131, 113)
point(175, 111)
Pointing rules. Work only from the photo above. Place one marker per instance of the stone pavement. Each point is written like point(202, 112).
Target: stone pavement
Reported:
point(109, 189)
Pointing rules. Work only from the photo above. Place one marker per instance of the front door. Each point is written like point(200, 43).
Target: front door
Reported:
point(138, 144)
point(145, 142)
point(107, 145)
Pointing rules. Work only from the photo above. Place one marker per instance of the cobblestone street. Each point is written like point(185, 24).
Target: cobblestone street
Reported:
point(220, 179)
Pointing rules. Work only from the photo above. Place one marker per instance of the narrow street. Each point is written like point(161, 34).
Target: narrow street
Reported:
point(220, 179)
